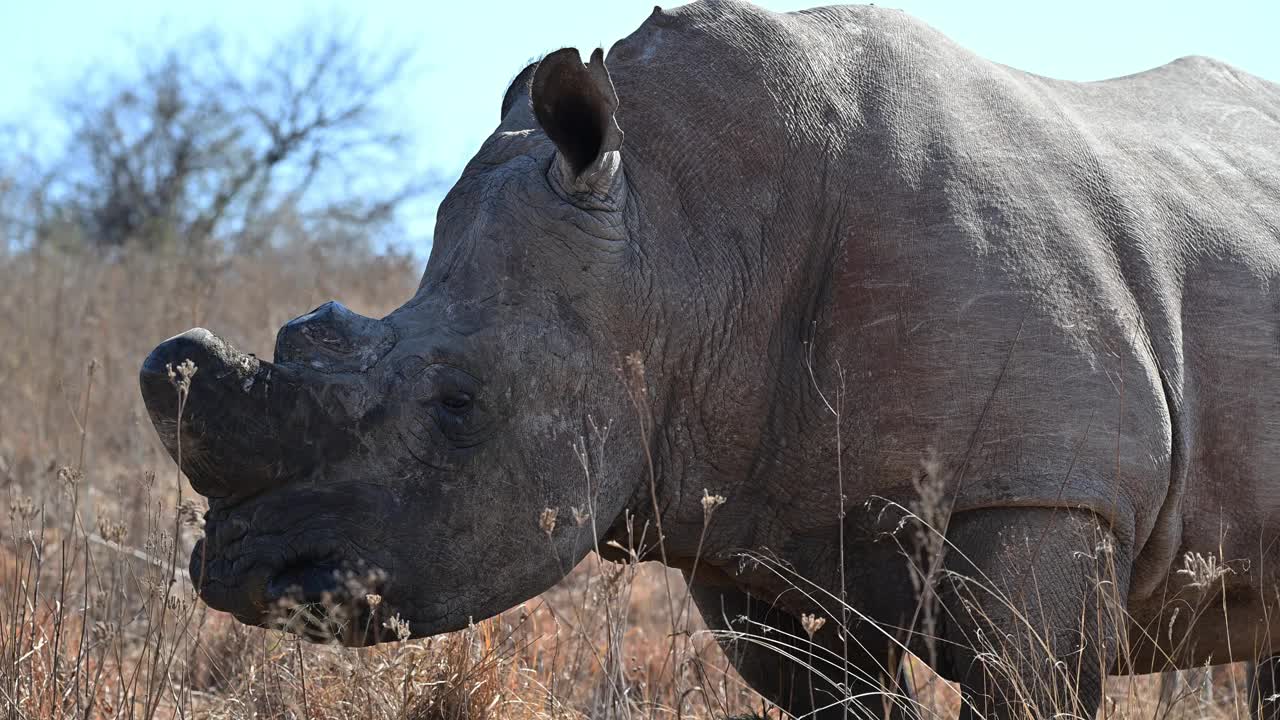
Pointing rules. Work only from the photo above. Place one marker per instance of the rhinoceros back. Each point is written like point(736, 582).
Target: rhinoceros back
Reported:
point(1060, 291)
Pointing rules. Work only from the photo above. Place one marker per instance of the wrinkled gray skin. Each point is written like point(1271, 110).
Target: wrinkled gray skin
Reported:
point(844, 250)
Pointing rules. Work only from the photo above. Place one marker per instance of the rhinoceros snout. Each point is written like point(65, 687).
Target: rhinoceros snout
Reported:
point(157, 383)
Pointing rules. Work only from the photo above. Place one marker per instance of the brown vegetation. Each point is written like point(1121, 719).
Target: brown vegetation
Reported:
point(97, 619)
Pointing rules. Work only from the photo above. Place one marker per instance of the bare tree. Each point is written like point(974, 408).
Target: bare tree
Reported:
point(207, 144)
point(24, 185)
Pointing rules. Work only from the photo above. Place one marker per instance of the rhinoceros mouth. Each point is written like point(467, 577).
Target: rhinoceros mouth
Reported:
point(326, 599)
point(323, 593)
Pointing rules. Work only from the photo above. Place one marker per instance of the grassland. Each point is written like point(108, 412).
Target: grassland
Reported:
point(97, 619)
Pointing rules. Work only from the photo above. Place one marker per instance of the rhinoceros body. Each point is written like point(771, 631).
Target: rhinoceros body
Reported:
point(818, 263)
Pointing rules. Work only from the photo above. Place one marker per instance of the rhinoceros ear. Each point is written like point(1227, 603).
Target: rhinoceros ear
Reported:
point(575, 105)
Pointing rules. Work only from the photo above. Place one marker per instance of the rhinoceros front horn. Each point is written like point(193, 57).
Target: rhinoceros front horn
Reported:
point(231, 438)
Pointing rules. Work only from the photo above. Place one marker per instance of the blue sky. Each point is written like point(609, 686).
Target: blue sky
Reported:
point(469, 49)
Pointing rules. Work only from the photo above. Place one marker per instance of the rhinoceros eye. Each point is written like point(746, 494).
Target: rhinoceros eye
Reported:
point(453, 394)
point(456, 402)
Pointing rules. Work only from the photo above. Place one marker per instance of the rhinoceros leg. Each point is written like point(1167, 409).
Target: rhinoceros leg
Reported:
point(1264, 687)
point(776, 659)
point(1030, 602)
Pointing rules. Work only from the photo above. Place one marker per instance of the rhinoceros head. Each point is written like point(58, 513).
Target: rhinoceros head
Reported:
point(434, 457)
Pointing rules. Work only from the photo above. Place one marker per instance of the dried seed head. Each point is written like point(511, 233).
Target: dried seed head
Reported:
point(811, 624)
point(181, 376)
point(157, 541)
point(711, 502)
point(373, 599)
point(547, 520)
point(633, 374)
point(580, 516)
point(112, 530)
point(1202, 570)
point(399, 626)
point(191, 513)
point(23, 508)
point(103, 631)
point(70, 476)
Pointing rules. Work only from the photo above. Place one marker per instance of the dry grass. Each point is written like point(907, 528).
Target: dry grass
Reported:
point(97, 617)
point(98, 621)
